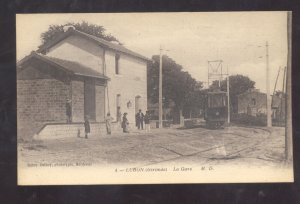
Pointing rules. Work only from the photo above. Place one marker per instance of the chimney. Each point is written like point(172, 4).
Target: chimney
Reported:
point(68, 27)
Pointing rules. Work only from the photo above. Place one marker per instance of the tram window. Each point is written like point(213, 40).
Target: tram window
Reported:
point(216, 101)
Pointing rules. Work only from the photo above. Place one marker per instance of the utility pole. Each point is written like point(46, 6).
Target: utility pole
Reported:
point(160, 89)
point(283, 92)
point(228, 100)
point(269, 119)
point(288, 87)
point(208, 74)
point(272, 101)
point(215, 70)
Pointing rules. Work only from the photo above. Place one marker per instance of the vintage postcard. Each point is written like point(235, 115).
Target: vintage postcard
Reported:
point(148, 98)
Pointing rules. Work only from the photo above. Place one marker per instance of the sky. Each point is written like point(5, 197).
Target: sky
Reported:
point(191, 39)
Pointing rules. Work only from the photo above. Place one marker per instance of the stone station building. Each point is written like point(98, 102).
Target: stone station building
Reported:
point(98, 76)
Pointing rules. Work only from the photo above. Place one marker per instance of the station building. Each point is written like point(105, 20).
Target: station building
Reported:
point(97, 76)
point(252, 102)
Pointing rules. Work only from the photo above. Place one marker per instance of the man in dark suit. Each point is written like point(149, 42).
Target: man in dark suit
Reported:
point(139, 117)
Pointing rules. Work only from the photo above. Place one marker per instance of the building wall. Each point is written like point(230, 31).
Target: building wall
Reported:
point(78, 101)
point(246, 99)
point(130, 83)
point(100, 103)
point(78, 49)
point(40, 101)
point(42, 93)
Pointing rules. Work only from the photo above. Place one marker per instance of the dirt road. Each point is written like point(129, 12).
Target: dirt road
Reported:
point(198, 146)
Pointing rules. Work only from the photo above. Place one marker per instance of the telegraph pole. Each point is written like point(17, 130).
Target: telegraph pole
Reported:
point(288, 87)
point(228, 100)
point(160, 89)
point(283, 92)
point(269, 119)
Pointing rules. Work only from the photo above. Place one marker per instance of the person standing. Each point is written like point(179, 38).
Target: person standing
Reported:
point(69, 110)
point(87, 128)
point(108, 120)
point(147, 121)
point(140, 119)
point(125, 123)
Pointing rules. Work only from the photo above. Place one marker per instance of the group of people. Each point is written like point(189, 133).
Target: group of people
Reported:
point(140, 118)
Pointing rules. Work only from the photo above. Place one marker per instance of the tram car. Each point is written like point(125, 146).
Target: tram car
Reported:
point(215, 109)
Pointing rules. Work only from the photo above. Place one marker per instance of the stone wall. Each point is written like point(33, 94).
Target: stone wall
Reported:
point(40, 101)
point(55, 131)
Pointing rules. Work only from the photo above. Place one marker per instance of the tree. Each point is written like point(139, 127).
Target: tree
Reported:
point(178, 86)
point(238, 84)
point(92, 29)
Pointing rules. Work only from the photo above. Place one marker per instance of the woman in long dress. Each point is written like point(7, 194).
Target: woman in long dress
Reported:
point(125, 123)
point(108, 120)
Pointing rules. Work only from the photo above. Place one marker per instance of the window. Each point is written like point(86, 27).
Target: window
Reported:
point(216, 100)
point(253, 101)
point(117, 65)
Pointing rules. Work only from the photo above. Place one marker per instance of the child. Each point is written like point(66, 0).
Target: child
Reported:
point(86, 126)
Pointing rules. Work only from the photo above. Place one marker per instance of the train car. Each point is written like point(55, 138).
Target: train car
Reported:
point(215, 109)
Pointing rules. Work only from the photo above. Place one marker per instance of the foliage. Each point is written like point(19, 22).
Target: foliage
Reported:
point(238, 84)
point(178, 85)
point(92, 29)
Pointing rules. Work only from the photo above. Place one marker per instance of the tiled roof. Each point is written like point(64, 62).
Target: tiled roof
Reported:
point(69, 66)
point(100, 41)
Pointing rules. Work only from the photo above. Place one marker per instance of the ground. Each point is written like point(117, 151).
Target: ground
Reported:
point(228, 146)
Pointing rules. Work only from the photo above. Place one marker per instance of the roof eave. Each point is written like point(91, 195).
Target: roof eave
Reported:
point(37, 56)
point(93, 76)
point(70, 32)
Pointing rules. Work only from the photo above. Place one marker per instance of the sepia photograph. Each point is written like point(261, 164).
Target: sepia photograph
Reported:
point(154, 98)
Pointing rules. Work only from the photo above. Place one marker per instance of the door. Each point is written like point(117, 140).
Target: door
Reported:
point(137, 104)
point(89, 99)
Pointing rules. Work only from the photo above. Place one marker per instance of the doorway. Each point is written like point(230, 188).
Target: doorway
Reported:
point(137, 103)
point(89, 99)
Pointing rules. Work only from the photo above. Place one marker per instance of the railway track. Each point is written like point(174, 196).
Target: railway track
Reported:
point(264, 134)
